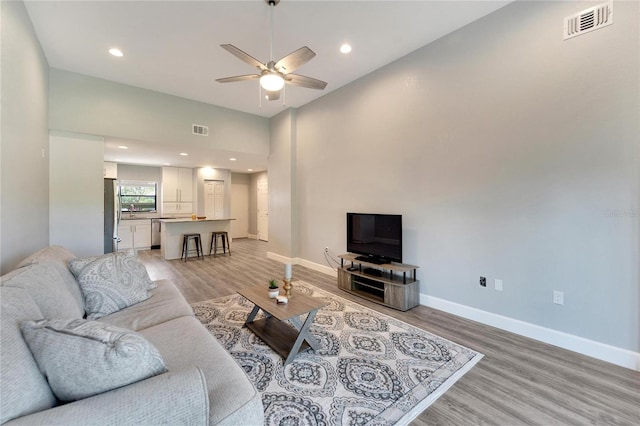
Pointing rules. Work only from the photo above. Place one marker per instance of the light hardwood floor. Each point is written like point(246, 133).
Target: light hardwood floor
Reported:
point(518, 382)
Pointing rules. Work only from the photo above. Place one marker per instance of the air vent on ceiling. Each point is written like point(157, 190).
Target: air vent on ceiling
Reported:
point(588, 20)
point(198, 129)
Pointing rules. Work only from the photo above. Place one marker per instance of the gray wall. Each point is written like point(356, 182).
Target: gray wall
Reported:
point(24, 170)
point(282, 231)
point(510, 153)
point(143, 173)
point(83, 104)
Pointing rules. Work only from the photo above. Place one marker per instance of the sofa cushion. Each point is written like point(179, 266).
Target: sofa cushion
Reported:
point(110, 282)
point(166, 303)
point(82, 358)
point(56, 253)
point(48, 285)
point(23, 388)
point(184, 342)
point(59, 256)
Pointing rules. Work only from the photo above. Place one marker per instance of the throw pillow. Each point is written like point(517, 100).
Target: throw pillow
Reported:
point(82, 358)
point(55, 253)
point(110, 282)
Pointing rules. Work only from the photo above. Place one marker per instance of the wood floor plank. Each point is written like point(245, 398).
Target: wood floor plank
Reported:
point(520, 381)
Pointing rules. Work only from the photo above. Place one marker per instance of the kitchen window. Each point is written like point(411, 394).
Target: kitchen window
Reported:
point(137, 196)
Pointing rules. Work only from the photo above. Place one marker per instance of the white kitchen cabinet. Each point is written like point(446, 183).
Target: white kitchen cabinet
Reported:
point(135, 234)
point(177, 185)
point(177, 208)
point(110, 170)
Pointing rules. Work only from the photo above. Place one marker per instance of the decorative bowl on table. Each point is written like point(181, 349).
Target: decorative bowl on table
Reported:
point(202, 217)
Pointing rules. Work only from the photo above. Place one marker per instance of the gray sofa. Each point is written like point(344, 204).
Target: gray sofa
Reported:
point(202, 385)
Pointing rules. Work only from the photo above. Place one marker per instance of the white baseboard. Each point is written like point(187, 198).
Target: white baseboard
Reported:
point(618, 356)
point(317, 267)
point(279, 257)
point(252, 236)
point(602, 351)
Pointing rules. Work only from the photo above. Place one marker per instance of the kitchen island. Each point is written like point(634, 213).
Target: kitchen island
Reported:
point(172, 230)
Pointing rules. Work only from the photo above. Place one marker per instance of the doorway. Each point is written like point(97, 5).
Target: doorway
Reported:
point(214, 199)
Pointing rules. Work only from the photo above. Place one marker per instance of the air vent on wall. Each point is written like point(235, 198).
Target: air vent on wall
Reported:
point(197, 129)
point(588, 20)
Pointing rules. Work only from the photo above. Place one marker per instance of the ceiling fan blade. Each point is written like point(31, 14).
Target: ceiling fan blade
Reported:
point(273, 96)
point(238, 78)
point(243, 56)
point(304, 81)
point(295, 60)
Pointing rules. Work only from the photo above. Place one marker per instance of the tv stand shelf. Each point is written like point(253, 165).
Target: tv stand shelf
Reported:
point(389, 284)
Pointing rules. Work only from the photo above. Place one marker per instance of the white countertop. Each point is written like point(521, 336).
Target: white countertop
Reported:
point(185, 219)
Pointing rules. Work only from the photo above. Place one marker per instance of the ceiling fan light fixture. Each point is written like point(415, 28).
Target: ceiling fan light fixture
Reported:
point(272, 82)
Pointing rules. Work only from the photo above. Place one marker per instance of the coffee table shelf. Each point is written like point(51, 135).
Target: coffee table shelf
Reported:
point(279, 335)
point(283, 338)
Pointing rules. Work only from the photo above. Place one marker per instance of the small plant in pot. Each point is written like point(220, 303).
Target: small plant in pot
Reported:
point(273, 289)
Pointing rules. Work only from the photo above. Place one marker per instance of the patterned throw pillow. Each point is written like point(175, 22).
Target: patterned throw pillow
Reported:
point(82, 358)
point(110, 282)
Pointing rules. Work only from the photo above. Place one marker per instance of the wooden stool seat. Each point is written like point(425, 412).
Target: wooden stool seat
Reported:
point(213, 247)
point(185, 246)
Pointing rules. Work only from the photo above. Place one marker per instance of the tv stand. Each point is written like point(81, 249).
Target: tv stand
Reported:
point(389, 284)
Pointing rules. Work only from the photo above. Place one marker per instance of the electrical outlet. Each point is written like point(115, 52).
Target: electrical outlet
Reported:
point(483, 281)
point(326, 249)
point(558, 297)
point(497, 284)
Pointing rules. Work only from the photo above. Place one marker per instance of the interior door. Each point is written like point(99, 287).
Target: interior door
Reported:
point(214, 199)
point(218, 200)
point(263, 210)
point(240, 210)
point(209, 199)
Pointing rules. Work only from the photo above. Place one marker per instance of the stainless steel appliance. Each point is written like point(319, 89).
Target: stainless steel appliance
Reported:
point(111, 215)
point(155, 233)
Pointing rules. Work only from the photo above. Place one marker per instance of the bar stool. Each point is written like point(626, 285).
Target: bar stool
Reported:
point(213, 247)
point(185, 246)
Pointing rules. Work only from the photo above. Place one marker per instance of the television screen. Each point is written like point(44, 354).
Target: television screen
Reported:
point(377, 237)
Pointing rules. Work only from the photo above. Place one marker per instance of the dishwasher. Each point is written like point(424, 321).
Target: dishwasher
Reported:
point(155, 233)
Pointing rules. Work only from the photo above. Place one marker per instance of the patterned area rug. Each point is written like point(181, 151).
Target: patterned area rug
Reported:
point(372, 369)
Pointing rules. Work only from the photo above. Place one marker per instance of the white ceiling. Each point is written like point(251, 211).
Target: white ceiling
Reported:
point(174, 46)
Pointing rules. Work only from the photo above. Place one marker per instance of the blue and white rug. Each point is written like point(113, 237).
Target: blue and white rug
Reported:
point(372, 369)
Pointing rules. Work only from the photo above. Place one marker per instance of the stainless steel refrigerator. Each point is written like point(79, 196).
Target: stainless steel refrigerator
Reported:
point(111, 215)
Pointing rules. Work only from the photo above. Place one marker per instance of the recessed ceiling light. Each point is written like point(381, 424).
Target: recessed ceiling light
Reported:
point(184, 154)
point(123, 147)
point(167, 164)
point(116, 52)
point(345, 48)
point(249, 170)
point(232, 159)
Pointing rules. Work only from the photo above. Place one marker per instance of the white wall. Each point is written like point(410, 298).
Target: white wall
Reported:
point(76, 193)
point(510, 153)
point(24, 152)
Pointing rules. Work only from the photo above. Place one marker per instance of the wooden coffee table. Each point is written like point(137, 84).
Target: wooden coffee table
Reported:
point(287, 341)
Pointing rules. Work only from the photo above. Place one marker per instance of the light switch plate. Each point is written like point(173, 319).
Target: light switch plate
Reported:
point(558, 297)
point(497, 284)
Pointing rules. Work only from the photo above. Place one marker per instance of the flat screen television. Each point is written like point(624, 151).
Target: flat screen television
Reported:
point(376, 237)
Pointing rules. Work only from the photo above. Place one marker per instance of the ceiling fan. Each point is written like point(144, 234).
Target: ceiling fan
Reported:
point(273, 75)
